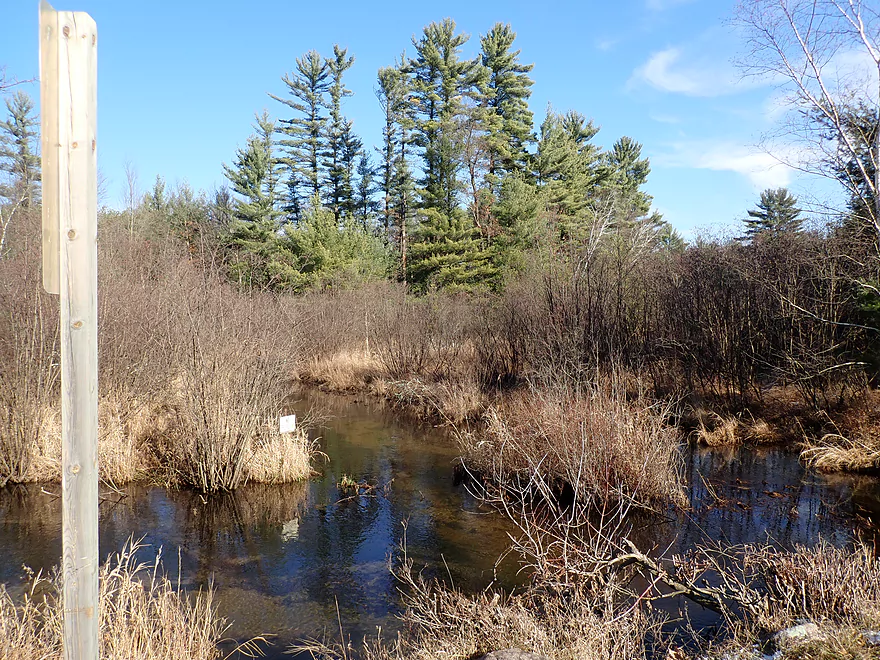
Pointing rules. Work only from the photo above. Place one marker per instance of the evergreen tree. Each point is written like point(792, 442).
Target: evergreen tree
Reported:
point(523, 228)
point(626, 173)
point(507, 97)
point(351, 149)
point(254, 177)
point(568, 164)
point(325, 252)
point(440, 82)
point(339, 136)
point(366, 206)
point(397, 181)
point(777, 214)
point(448, 252)
point(253, 234)
point(17, 155)
point(669, 240)
point(154, 199)
point(392, 92)
point(304, 135)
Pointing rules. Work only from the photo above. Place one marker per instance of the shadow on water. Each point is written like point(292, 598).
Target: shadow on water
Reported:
point(281, 557)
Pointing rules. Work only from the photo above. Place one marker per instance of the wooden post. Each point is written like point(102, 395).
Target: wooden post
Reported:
point(70, 218)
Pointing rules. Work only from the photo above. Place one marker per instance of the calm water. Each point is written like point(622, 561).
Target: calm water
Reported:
point(281, 558)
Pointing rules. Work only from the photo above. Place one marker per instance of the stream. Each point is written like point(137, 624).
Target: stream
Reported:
point(282, 559)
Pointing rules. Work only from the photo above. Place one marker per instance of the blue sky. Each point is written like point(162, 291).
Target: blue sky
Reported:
point(179, 83)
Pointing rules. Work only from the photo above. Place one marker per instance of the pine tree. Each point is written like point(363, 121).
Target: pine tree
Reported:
point(366, 206)
point(392, 92)
point(448, 252)
point(17, 155)
point(304, 136)
point(397, 182)
point(440, 81)
point(568, 164)
point(339, 136)
point(154, 199)
point(626, 173)
point(254, 177)
point(351, 149)
point(324, 252)
point(507, 97)
point(777, 214)
point(253, 234)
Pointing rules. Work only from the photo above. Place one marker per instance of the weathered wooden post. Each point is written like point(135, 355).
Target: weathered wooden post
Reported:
point(68, 102)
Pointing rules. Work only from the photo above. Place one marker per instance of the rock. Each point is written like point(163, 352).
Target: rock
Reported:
point(799, 633)
point(513, 654)
point(871, 637)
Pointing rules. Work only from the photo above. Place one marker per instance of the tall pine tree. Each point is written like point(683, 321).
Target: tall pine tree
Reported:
point(340, 137)
point(507, 97)
point(303, 140)
point(254, 231)
point(440, 81)
point(777, 214)
point(18, 158)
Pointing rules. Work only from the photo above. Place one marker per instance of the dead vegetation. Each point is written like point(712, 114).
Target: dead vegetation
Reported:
point(596, 438)
point(193, 375)
point(142, 615)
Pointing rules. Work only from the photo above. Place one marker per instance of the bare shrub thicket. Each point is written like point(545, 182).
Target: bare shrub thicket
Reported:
point(29, 368)
point(193, 372)
point(442, 622)
point(141, 613)
point(594, 437)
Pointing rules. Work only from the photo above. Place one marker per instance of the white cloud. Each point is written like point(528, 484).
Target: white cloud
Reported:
point(606, 44)
point(759, 167)
point(665, 119)
point(673, 70)
point(663, 5)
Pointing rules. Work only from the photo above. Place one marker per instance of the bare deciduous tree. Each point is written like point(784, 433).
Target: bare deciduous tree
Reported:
point(826, 55)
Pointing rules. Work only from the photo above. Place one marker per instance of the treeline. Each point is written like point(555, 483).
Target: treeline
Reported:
point(466, 196)
point(460, 189)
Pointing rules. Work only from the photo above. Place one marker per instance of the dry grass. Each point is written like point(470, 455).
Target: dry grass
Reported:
point(836, 453)
point(278, 458)
point(715, 430)
point(228, 397)
point(29, 374)
point(610, 445)
point(442, 622)
point(834, 590)
point(142, 615)
point(345, 370)
point(450, 401)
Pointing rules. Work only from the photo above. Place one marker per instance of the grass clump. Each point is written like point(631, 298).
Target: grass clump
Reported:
point(834, 452)
point(595, 438)
point(141, 615)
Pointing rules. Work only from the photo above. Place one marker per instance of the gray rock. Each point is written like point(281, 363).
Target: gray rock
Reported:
point(513, 654)
point(799, 633)
point(871, 637)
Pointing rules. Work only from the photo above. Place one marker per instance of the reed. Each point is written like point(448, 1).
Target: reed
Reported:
point(142, 615)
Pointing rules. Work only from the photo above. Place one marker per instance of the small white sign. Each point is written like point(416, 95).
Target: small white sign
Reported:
point(287, 424)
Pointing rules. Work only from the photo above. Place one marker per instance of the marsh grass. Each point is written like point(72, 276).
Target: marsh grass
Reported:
point(836, 453)
point(598, 439)
point(835, 589)
point(142, 614)
point(715, 430)
point(29, 375)
point(442, 622)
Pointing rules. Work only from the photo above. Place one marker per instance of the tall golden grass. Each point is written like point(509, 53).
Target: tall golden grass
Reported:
point(596, 438)
point(142, 614)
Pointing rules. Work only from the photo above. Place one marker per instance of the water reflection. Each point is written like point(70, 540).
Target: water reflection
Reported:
point(281, 557)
